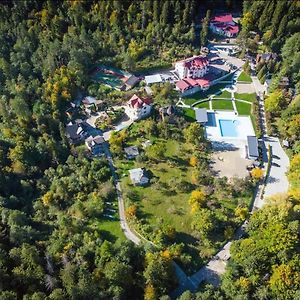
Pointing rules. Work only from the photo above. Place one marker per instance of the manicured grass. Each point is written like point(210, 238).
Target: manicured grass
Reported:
point(193, 98)
point(244, 77)
point(189, 114)
point(222, 104)
point(203, 105)
point(111, 229)
point(203, 95)
point(248, 97)
point(243, 108)
point(224, 94)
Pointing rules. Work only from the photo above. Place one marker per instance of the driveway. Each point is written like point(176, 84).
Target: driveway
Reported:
point(259, 88)
point(277, 181)
point(122, 125)
point(92, 119)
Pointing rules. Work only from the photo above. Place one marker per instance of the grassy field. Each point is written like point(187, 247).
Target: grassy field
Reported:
point(246, 97)
point(222, 104)
point(243, 108)
point(196, 97)
point(162, 203)
point(203, 105)
point(189, 114)
point(244, 77)
point(224, 94)
point(204, 95)
point(111, 230)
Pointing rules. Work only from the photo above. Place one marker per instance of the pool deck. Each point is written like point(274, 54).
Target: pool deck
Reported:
point(243, 128)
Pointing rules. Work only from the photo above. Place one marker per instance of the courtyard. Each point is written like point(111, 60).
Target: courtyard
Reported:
point(229, 163)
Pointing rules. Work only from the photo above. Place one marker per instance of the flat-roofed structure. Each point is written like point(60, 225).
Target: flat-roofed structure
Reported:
point(151, 79)
point(201, 115)
point(252, 147)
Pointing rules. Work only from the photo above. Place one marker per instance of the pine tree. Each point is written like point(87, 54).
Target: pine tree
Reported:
point(204, 29)
point(266, 16)
point(165, 13)
point(156, 11)
point(277, 16)
point(262, 72)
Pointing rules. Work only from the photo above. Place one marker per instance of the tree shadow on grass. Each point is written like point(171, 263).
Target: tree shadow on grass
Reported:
point(108, 236)
point(185, 238)
point(169, 192)
point(143, 215)
point(178, 161)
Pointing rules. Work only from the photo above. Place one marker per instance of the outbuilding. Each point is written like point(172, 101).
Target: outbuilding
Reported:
point(252, 147)
point(138, 176)
point(201, 115)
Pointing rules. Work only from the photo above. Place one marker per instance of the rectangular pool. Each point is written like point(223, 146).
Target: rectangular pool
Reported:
point(228, 128)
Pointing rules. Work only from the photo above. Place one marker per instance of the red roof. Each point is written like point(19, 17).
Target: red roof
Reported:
point(202, 82)
point(182, 85)
point(226, 18)
point(186, 83)
point(229, 28)
point(233, 29)
point(191, 81)
point(197, 61)
point(137, 102)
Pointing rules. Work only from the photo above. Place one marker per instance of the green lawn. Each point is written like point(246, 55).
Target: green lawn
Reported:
point(244, 77)
point(189, 114)
point(158, 203)
point(248, 97)
point(224, 94)
point(193, 98)
point(204, 95)
point(111, 230)
point(222, 104)
point(203, 105)
point(162, 203)
point(243, 108)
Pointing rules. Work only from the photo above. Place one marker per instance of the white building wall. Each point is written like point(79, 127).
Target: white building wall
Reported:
point(137, 113)
point(180, 69)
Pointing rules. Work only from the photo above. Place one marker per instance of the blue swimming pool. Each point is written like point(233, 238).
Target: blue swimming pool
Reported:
point(228, 128)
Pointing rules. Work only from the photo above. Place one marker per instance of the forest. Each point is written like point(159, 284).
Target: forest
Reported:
point(51, 246)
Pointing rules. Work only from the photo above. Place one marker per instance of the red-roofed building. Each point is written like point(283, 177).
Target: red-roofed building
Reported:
point(204, 83)
point(138, 108)
point(225, 18)
point(193, 67)
point(224, 25)
point(188, 86)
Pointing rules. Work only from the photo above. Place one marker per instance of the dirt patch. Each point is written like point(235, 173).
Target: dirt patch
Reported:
point(230, 163)
point(245, 88)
